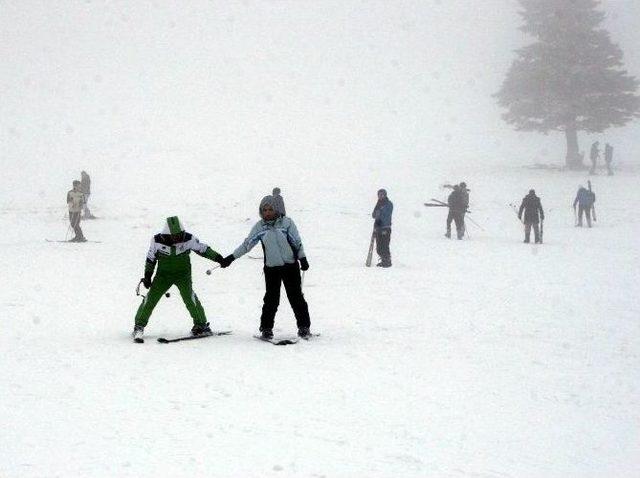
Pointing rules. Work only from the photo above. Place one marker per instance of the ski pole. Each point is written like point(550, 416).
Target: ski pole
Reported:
point(476, 224)
point(209, 271)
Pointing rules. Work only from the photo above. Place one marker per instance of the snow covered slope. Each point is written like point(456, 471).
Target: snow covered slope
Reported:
point(483, 357)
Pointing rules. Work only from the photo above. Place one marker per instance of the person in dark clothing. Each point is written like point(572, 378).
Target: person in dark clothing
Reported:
point(85, 186)
point(282, 252)
point(585, 200)
point(608, 158)
point(75, 200)
point(381, 214)
point(594, 155)
point(533, 216)
point(458, 203)
point(279, 202)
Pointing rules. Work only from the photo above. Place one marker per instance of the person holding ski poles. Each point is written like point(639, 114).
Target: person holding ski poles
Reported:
point(584, 200)
point(458, 202)
point(75, 201)
point(282, 251)
point(382, 213)
point(170, 250)
point(533, 216)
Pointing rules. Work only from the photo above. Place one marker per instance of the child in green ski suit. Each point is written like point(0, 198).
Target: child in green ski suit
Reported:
point(171, 251)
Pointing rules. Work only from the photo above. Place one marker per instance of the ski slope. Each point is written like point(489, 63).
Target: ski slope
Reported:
point(482, 357)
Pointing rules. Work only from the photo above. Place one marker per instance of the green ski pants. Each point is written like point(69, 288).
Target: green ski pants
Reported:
point(159, 286)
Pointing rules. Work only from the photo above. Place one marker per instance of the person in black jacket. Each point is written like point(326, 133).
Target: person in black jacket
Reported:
point(458, 202)
point(533, 216)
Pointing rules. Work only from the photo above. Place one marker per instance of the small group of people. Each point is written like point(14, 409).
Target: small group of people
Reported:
point(594, 155)
point(534, 214)
point(77, 203)
point(284, 258)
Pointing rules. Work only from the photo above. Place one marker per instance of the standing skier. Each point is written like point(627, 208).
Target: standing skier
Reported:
point(594, 155)
point(585, 200)
point(171, 250)
point(279, 202)
point(85, 186)
point(75, 200)
point(381, 214)
point(283, 249)
point(458, 202)
point(533, 216)
point(608, 158)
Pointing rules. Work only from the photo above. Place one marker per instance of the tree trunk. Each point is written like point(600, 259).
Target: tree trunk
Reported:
point(574, 158)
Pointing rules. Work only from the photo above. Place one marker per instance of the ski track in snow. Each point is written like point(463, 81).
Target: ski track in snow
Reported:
point(481, 358)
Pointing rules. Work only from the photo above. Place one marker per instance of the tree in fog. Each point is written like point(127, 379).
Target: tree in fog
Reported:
point(571, 78)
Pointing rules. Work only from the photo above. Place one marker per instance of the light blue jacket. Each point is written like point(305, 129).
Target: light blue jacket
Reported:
point(280, 241)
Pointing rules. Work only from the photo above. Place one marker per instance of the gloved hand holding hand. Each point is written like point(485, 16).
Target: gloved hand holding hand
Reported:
point(304, 264)
point(226, 262)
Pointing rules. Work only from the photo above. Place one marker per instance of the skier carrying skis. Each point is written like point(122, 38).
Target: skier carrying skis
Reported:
point(458, 202)
point(75, 200)
point(279, 202)
point(283, 249)
point(585, 200)
point(85, 186)
point(170, 250)
point(533, 216)
point(382, 213)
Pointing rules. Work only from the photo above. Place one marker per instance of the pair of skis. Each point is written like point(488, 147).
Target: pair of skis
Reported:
point(274, 340)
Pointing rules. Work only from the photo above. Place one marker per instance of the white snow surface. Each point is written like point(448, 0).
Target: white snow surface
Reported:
point(481, 357)
point(477, 358)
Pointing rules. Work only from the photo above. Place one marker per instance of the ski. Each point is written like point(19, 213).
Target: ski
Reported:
point(277, 341)
point(285, 340)
point(72, 242)
point(164, 340)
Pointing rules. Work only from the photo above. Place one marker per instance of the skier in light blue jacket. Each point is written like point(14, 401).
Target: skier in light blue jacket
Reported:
point(283, 250)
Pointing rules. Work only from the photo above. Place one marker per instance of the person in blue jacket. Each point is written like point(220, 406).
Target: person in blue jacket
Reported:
point(283, 251)
point(382, 227)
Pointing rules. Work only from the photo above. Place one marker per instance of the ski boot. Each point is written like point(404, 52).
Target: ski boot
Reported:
point(137, 334)
point(304, 333)
point(447, 234)
point(266, 334)
point(201, 330)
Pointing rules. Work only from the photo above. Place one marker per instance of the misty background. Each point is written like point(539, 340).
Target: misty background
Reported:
point(203, 89)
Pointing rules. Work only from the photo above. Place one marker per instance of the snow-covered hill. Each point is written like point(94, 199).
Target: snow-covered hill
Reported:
point(482, 357)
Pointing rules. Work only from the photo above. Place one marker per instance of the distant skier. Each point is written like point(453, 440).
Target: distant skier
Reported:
point(170, 250)
point(382, 214)
point(75, 200)
point(533, 216)
point(279, 202)
point(608, 158)
point(594, 156)
point(85, 184)
point(458, 202)
point(283, 250)
point(585, 201)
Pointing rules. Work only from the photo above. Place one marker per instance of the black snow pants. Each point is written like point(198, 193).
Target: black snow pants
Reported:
point(586, 210)
point(458, 218)
point(289, 274)
point(383, 240)
point(527, 231)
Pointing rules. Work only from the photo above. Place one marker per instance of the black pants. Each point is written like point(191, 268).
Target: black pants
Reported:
point(458, 218)
point(586, 210)
point(74, 219)
point(289, 274)
point(383, 239)
point(527, 231)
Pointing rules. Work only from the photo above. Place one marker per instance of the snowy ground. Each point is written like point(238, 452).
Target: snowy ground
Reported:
point(484, 357)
